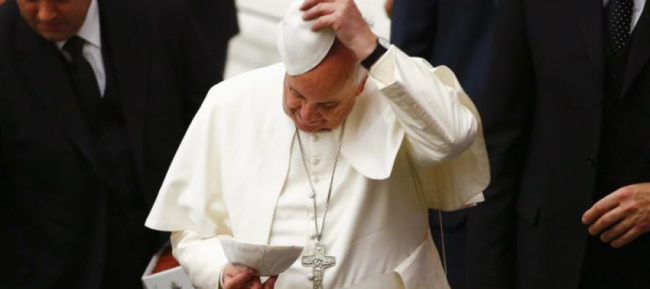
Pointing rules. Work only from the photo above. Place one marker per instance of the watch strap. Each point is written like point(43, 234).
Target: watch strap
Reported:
point(374, 56)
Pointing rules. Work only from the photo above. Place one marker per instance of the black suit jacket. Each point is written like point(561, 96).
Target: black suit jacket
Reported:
point(542, 113)
point(217, 20)
point(455, 33)
point(52, 211)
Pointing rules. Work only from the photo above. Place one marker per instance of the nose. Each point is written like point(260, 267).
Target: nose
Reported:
point(46, 11)
point(308, 112)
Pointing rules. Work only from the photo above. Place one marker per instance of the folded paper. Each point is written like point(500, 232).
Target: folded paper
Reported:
point(268, 260)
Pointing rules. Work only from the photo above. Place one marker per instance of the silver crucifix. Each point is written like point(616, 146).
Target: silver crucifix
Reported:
point(318, 262)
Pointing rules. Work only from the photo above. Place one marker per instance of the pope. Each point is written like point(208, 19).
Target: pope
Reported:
point(341, 148)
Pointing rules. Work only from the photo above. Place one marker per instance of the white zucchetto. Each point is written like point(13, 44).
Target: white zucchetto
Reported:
point(300, 48)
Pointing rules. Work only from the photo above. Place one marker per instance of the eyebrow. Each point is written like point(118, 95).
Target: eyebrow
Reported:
point(295, 90)
point(299, 94)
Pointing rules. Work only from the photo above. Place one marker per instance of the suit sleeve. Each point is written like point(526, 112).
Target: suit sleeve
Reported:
point(506, 109)
point(413, 26)
point(199, 67)
point(217, 21)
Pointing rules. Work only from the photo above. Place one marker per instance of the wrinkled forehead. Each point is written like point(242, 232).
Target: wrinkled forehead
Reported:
point(300, 48)
point(326, 81)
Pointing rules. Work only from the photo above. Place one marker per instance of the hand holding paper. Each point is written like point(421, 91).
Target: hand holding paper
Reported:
point(266, 260)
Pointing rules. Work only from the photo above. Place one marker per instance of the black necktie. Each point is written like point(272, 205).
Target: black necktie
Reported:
point(83, 77)
point(618, 20)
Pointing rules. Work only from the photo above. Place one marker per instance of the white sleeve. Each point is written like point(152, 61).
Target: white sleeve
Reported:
point(430, 105)
point(201, 258)
point(442, 127)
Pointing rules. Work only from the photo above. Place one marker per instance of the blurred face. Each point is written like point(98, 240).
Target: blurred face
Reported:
point(55, 20)
point(322, 98)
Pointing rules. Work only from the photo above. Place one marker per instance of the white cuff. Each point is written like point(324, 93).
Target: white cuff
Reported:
point(221, 285)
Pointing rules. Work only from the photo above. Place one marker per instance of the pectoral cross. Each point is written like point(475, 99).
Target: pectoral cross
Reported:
point(318, 262)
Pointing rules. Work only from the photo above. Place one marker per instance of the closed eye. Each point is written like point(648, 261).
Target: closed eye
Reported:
point(328, 105)
point(296, 93)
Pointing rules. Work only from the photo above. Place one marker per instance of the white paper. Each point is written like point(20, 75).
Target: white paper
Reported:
point(268, 260)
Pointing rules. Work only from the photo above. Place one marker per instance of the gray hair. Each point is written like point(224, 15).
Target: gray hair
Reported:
point(359, 73)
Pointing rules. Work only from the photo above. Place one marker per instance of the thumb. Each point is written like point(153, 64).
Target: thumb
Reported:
point(240, 279)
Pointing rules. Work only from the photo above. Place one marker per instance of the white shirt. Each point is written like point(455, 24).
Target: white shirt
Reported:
point(92, 51)
point(293, 222)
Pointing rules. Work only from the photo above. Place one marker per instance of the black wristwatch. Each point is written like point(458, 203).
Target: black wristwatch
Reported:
point(380, 49)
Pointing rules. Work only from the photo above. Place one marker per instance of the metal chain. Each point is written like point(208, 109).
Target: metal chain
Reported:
point(319, 233)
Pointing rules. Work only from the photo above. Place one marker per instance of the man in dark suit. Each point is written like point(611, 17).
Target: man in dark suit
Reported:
point(455, 33)
point(217, 20)
point(565, 116)
point(458, 34)
point(95, 96)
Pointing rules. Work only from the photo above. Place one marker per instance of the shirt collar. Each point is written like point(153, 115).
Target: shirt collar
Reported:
point(90, 30)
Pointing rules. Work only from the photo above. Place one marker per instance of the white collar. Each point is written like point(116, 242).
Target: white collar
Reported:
point(90, 30)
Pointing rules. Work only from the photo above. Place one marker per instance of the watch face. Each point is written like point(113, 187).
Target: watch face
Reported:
point(383, 42)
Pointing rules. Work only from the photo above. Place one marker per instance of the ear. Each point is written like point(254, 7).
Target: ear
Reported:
point(361, 85)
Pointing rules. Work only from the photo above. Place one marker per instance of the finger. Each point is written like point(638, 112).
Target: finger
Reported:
point(270, 283)
point(229, 270)
point(308, 4)
point(256, 283)
point(617, 230)
point(319, 10)
point(324, 22)
point(239, 280)
point(628, 237)
point(232, 270)
point(601, 207)
point(607, 220)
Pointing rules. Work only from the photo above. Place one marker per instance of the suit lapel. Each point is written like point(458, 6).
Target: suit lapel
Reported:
point(589, 15)
point(640, 50)
point(128, 53)
point(41, 65)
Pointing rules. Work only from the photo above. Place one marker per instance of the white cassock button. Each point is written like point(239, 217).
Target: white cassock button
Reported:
point(315, 161)
point(314, 138)
point(316, 180)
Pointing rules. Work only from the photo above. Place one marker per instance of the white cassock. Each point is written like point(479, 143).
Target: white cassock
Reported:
point(413, 141)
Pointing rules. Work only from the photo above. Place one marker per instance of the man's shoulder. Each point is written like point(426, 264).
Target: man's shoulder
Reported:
point(9, 19)
point(251, 86)
point(8, 16)
point(158, 12)
point(246, 96)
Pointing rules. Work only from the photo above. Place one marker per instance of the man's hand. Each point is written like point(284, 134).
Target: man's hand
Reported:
point(621, 216)
point(344, 18)
point(238, 277)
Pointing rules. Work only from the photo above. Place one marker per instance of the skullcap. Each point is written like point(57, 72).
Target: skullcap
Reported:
point(300, 48)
